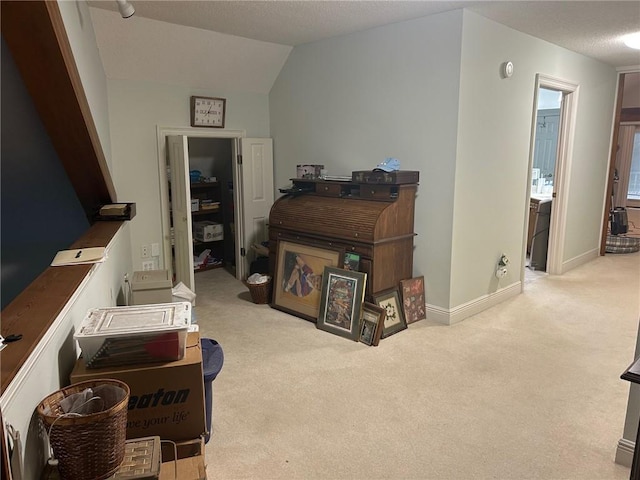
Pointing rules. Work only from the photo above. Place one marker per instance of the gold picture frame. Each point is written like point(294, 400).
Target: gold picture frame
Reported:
point(298, 277)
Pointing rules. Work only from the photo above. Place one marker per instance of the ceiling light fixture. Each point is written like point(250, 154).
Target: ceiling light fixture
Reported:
point(126, 9)
point(632, 40)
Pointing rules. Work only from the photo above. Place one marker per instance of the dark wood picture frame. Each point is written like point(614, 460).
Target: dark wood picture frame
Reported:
point(371, 325)
point(341, 302)
point(413, 299)
point(394, 321)
point(298, 276)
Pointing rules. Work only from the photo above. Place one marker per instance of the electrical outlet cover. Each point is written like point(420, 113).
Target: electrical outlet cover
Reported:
point(148, 265)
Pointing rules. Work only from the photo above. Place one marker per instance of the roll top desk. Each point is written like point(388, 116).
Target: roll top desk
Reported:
point(375, 221)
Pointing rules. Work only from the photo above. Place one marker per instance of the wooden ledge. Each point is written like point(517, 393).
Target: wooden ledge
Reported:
point(36, 308)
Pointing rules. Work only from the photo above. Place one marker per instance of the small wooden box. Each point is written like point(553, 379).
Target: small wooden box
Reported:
point(142, 459)
point(385, 178)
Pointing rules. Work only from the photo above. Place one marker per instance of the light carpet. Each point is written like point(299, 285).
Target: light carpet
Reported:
point(529, 389)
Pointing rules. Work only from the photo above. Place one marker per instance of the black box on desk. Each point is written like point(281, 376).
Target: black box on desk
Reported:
point(166, 399)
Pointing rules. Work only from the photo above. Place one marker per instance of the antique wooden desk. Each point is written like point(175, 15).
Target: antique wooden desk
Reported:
point(374, 221)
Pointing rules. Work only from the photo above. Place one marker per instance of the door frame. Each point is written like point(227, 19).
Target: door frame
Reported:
point(566, 134)
point(615, 132)
point(162, 132)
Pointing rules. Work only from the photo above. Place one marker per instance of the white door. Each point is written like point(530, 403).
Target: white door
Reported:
point(256, 197)
point(178, 151)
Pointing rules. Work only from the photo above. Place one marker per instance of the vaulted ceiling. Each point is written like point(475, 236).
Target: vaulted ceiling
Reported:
point(591, 28)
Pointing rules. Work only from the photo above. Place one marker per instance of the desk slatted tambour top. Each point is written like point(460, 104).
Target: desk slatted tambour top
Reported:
point(373, 220)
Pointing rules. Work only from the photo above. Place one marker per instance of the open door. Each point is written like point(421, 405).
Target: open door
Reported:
point(178, 153)
point(256, 197)
point(560, 188)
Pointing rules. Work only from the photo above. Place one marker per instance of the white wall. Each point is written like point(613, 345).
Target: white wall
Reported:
point(77, 23)
point(429, 92)
point(351, 101)
point(493, 152)
point(142, 49)
point(631, 96)
point(47, 369)
point(136, 109)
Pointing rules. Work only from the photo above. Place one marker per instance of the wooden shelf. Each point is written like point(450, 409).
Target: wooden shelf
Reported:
point(204, 185)
point(208, 267)
point(202, 242)
point(205, 212)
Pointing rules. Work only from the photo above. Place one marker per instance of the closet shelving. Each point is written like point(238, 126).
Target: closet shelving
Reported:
point(206, 208)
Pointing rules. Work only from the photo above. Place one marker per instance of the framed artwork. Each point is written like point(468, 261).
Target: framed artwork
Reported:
point(351, 261)
point(341, 302)
point(298, 277)
point(372, 321)
point(394, 320)
point(413, 302)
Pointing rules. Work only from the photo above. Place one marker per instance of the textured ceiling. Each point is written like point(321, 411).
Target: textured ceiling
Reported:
point(591, 28)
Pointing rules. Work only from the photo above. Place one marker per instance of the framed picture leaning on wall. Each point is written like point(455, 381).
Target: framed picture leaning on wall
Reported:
point(298, 277)
point(371, 325)
point(341, 302)
point(394, 320)
point(413, 301)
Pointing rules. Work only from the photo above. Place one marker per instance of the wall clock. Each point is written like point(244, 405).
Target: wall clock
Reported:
point(207, 112)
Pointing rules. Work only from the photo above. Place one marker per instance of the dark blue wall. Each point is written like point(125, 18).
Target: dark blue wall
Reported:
point(40, 212)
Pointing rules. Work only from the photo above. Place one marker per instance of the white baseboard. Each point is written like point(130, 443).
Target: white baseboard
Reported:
point(466, 310)
point(624, 452)
point(580, 260)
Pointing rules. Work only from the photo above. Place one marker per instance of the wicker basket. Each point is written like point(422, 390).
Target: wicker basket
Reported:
point(88, 447)
point(260, 292)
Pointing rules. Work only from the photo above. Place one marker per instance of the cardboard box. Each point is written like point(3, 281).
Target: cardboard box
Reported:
point(190, 464)
point(166, 399)
point(208, 231)
point(195, 204)
point(309, 171)
point(192, 468)
point(152, 286)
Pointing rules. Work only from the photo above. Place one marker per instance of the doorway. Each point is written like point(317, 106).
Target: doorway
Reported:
point(542, 178)
point(243, 186)
point(554, 113)
point(623, 187)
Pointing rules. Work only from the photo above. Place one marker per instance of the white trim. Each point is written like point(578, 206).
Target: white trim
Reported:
point(161, 133)
point(466, 310)
point(581, 259)
point(624, 452)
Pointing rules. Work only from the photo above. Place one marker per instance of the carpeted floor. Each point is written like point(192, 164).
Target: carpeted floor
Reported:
point(528, 389)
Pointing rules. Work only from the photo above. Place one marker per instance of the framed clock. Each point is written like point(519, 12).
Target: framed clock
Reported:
point(207, 112)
